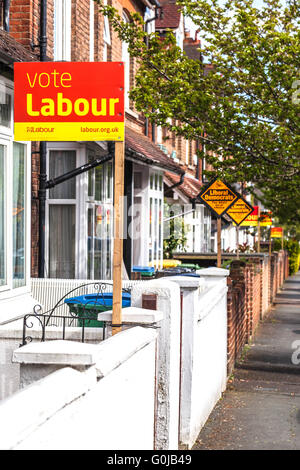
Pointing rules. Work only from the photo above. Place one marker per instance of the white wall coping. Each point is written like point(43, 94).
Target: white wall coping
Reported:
point(187, 282)
point(14, 330)
point(56, 352)
point(212, 271)
point(23, 412)
point(106, 355)
point(120, 347)
point(135, 315)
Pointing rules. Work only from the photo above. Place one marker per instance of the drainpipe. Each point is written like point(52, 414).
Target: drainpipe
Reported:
point(43, 150)
point(6, 6)
point(175, 185)
point(158, 14)
point(198, 163)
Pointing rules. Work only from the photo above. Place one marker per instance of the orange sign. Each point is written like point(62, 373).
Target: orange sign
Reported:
point(276, 232)
point(265, 219)
point(252, 219)
point(69, 101)
point(218, 196)
point(239, 211)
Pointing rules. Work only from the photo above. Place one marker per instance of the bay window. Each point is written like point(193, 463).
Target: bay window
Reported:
point(15, 298)
point(79, 231)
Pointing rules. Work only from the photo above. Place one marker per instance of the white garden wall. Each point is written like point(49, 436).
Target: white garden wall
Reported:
point(109, 406)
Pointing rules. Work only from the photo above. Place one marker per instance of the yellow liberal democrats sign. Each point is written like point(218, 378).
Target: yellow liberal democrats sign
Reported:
point(239, 211)
point(218, 196)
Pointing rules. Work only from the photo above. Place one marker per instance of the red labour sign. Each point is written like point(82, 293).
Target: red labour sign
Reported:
point(69, 101)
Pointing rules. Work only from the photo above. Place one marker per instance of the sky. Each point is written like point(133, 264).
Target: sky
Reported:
point(190, 25)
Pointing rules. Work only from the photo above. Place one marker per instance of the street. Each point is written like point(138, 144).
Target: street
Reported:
point(261, 408)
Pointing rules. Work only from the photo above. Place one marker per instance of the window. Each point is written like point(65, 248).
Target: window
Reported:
point(106, 36)
point(5, 107)
point(19, 223)
point(14, 205)
point(190, 152)
point(62, 216)
point(62, 30)
point(6, 103)
point(100, 221)
point(126, 60)
point(156, 219)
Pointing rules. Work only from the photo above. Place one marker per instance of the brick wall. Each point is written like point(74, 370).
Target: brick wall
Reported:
point(80, 41)
point(237, 314)
point(252, 287)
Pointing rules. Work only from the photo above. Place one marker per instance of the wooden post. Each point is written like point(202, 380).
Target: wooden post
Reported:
point(118, 236)
point(219, 228)
point(258, 230)
point(282, 245)
point(270, 243)
point(237, 242)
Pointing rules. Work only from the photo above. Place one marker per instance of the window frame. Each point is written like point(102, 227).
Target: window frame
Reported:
point(7, 291)
point(62, 30)
point(65, 146)
point(127, 61)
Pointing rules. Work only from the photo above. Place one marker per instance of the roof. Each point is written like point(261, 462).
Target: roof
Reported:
point(171, 17)
point(142, 149)
point(190, 187)
point(11, 51)
point(192, 48)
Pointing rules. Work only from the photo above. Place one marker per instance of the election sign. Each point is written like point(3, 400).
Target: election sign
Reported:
point(276, 232)
point(239, 211)
point(265, 219)
point(69, 101)
point(252, 219)
point(218, 196)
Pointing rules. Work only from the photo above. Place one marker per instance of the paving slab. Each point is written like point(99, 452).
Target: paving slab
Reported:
point(260, 409)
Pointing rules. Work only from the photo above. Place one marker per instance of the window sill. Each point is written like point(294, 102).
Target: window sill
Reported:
point(131, 113)
point(16, 307)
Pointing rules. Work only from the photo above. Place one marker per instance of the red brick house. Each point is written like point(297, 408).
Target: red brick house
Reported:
point(78, 213)
point(197, 219)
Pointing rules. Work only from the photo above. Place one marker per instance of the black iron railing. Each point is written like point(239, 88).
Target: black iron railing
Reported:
point(81, 315)
point(67, 321)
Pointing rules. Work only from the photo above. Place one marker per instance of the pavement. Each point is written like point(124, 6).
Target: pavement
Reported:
point(260, 409)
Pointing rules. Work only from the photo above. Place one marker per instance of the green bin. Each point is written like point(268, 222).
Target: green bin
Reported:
point(90, 305)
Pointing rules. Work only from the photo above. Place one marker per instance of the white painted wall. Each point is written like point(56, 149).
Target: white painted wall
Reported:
point(10, 339)
point(204, 349)
point(109, 407)
point(168, 362)
point(118, 411)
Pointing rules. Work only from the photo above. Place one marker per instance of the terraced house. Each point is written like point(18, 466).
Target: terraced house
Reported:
point(65, 230)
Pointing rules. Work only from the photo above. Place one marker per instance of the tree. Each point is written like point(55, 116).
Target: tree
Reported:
point(244, 106)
